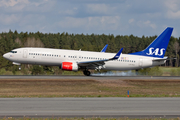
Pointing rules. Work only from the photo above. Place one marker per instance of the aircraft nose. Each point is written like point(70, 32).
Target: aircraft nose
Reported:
point(5, 55)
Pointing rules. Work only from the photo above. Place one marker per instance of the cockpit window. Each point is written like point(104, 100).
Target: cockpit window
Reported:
point(13, 51)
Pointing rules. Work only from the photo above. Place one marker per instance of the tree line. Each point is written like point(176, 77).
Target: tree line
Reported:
point(94, 42)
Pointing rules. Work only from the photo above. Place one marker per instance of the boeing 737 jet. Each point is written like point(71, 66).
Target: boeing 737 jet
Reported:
point(74, 60)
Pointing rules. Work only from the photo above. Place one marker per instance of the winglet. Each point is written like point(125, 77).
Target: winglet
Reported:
point(117, 55)
point(104, 49)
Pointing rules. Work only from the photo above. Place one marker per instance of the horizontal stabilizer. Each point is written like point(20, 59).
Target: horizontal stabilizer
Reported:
point(164, 59)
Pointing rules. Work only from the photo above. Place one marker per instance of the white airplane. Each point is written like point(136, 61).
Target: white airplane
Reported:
point(74, 60)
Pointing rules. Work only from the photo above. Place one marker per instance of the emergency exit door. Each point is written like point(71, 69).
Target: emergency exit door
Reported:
point(140, 62)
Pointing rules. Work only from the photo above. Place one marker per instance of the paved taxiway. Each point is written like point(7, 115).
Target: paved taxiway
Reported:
point(90, 107)
point(100, 77)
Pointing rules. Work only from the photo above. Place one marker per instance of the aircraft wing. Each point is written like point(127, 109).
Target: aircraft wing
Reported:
point(96, 63)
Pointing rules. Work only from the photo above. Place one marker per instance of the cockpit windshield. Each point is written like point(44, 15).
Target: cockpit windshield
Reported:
point(13, 51)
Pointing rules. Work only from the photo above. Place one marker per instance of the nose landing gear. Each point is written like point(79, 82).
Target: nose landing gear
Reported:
point(19, 67)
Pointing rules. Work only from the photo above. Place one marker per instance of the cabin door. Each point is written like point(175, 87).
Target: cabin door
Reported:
point(25, 54)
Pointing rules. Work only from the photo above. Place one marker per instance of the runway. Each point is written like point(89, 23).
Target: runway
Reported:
point(90, 107)
point(100, 77)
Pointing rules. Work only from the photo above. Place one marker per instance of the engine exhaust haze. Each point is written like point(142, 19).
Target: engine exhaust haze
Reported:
point(116, 73)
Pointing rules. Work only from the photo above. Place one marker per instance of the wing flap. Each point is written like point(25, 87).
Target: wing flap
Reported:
point(97, 63)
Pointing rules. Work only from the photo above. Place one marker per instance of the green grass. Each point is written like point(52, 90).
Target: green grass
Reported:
point(72, 73)
point(88, 88)
point(154, 71)
point(170, 71)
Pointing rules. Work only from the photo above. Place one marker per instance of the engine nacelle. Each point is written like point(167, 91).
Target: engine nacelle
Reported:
point(70, 66)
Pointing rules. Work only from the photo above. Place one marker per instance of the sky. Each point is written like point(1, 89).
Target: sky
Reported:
point(118, 17)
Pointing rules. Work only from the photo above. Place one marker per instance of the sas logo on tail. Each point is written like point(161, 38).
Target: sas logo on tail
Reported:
point(156, 51)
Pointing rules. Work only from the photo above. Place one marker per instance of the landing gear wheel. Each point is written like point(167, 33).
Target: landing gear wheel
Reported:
point(20, 67)
point(137, 72)
point(87, 73)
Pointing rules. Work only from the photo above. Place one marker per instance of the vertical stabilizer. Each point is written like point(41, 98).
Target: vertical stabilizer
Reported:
point(158, 47)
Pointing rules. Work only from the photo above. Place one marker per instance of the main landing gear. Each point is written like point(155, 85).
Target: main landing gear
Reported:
point(87, 73)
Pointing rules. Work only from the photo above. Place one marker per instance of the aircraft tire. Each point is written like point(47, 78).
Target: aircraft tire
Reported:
point(87, 73)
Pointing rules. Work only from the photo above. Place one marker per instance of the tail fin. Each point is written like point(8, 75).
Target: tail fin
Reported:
point(158, 47)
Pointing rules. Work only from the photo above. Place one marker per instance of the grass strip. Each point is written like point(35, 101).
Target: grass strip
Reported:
point(10, 88)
